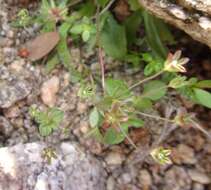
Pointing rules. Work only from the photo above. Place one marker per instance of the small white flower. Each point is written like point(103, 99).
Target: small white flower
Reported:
point(174, 62)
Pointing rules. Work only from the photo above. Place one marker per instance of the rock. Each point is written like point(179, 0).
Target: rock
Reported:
point(110, 185)
point(199, 177)
point(198, 186)
point(184, 154)
point(81, 107)
point(49, 90)
point(180, 12)
point(5, 126)
point(177, 178)
point(114, 158)
point(17, 65)
point(13, 87)
point(12, 112)
point(93, 146)
point(84, 127)
point(25, 167)
point(145, 179)
point(13, 91)
point(125, 178)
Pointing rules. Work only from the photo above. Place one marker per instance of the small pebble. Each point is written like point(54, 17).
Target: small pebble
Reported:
point(49, 90)
point(12, 112)
point(114, 158)
point(184, 154)
point(82, 107)
point(110, 185)
point(145, 179)
point(199, 177)
point(84, 127)
point(198, 186)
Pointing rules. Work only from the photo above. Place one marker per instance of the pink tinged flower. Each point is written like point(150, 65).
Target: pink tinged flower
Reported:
point(175, 63)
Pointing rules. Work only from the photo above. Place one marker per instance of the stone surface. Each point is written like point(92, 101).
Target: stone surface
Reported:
point(5, 126)
point(24, 167)
point(184, 16)
point(145, 179)
point(184, 154)
point(114, 158)
point(12, 88)
point(177, 178)
point(199, 177)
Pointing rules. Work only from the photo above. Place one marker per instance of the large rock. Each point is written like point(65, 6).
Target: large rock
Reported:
point(191, 16)
point(24, 167)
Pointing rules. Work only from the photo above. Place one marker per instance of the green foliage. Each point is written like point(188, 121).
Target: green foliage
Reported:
point(23, 19)
point(154, 90)
point(181, 81)
point(203, 84)
point(132, 24)
point(141, 103)
point(115, 111)
point(153, 35)
point(154, 64)
point(94, 117)
point(48, 121)
point(113, 38)
point(117, 89)
point(202, 97)
point(86, 91)
point(85, 28)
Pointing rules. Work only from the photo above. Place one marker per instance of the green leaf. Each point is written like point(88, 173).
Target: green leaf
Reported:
point(154, 64)
point(132, 24)
point(52, 63)
point(56, 115)
point(45, 130)
point(95, 132)
point(102, 3)
point(142, 103)
point(203, 84)
point(153, 37)
point(77, 29)
point(134, 122)
point(113, 38)
point(48, 121)
point(116, 89)
point(113, 136)
point(134, 5)
point(154, 90)
point(202, 97)
point(85, 35)
point(87, 9)
point(62, 47)
point(178, 82)
point(94, 117)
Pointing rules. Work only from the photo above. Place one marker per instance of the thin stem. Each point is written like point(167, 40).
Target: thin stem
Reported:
point(101, 60)
point(127, 137)
point(155, 117)
point(107, 7)
point(197, 126)
point(74, 3)
point(146, 79)
point(100, 52)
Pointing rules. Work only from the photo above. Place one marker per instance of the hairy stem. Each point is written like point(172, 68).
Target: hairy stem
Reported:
point(146, 79)
point(155, 117)
point(100, 51)
point(127, 137)
point(197, 126)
